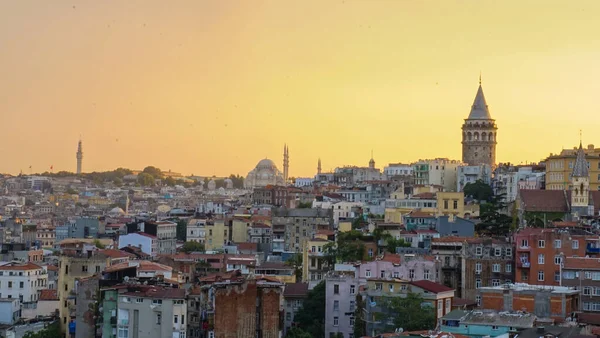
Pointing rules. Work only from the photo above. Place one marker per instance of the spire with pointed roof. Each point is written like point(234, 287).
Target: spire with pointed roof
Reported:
point(580, 169)
point(479, 109)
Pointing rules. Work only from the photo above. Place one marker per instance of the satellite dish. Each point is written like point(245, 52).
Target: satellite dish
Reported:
point(126, 278)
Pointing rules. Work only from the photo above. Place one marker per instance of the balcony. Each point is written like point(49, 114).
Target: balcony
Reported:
point(524, 264)
point(523, 248)
point(316, 253)
point(592, 249)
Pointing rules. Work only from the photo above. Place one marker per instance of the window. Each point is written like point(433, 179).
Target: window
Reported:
point(498, 252)
point(368, 273)
point(336, 305)
point(508, 267)
point(288, 316)
point(84, 268)
point(426, 274)
point(352, 289)
point(123, 332)
point(445, 204)
point(477, 267)
point(411, 273)
point(495, 282)
point(557, 243)
point(587, 291)
point(382, 274)
point(396, 274)
point(575, 243)
point(175, 318)
point(391, 287)
point(156, 301)
point(541, 243)
point(509, 252)
point(478, 251)
point(10, 285)
point(21, 285)
point(557, 260)
point(370, 253)
point(541, 275)
point(478, 300)
point(541, 259)
point(494, 327)
point(336, 321)
point(448, 305)
point(524, 243)
point(496, 268)
point(351, 322)
point(455, 202)
point(478, 283)
point(378, 286)
point(158, 318)
point(336, 289)
point(557, 276)
point(97, 268)
point(139, 300)
point(352, 308)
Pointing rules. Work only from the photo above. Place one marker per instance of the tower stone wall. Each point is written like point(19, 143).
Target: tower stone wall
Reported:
point(479, 134)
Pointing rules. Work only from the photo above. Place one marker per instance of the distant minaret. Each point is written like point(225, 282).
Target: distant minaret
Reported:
point(79, 157)
point(319, 167)
point(286, 163)
point(372, 161)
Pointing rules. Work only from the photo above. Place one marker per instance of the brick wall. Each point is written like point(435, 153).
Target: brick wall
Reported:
point(270, 312)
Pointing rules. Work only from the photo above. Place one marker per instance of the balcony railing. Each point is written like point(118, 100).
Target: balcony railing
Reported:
point(524, 264)
point(591, 248)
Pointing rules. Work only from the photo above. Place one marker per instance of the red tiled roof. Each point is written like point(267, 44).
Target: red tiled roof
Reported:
point(52, 267)
point(158, 292)
point(247, 246)
point(141, 266)
point(114, 253)
point(260, 226)
point(48, 294)
point(19, 266)
point(296, 290)
point(425, 195)
point(220, 276)
point(581, 263)
point(545, 200)
point(394, 259)
point(431, 286)
point(449, 239)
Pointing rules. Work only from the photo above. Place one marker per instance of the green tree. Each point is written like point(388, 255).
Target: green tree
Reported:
point(479, 190)
point(117, 181)
point(360, 327)
point(52, 331)
point(170, 181)
point(306, 205)
point(296, 262)
point(349, 247)
point(71, 191)
point(296, 332)
point(494, 218)
point(98, 244)
point(311, 316)
point(153, 171)
point(410, 313)
point(145, 180)
point(192, 246)
point(393, 243)
point(181, 230)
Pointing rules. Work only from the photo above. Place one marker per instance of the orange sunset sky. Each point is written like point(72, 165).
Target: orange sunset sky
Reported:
point(211, 87)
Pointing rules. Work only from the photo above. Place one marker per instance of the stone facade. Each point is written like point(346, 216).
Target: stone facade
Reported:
point(479, 134)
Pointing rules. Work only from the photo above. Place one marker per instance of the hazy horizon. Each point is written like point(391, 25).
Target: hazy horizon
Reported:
point(212, 87)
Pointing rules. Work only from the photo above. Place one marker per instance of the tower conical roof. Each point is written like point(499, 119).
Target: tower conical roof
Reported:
point(581, 168)
point(479, 109)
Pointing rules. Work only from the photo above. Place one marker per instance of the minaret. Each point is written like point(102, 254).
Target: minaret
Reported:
point(372, 161)
point(319, 166)
point(286, 163)
point(79, 157)
point(580, 181)
point(479, 133)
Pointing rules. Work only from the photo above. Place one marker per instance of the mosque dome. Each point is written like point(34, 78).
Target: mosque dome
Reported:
point(212, 185)
point(228, 183)
point(116, 211)
point(265, 173)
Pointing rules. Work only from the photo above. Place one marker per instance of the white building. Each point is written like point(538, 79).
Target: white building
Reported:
point(10, 311)
point(510, 182)
point(398, 169)
point(147, 243)
point(196, 230)
point(22, 281)
point(303, 182)
point(344, 210)
point(439, 171)
point(471, 173)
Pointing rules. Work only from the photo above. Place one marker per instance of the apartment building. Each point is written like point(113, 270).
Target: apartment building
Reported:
point(23, 281)
point(141, 311)
point(583, 274)
point(301, 225)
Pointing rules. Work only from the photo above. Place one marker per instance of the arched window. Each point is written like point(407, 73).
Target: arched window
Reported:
point(469, 136)
point(484, 136)
point(491, 137)
point(476, 136)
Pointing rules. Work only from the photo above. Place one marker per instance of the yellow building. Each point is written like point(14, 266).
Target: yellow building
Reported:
point(239, 229)
point(314, 265)
point(71, 269)
point(560, 166)
point(450, 203)
point(344, 226)
point(57, 198)
point(216, 235)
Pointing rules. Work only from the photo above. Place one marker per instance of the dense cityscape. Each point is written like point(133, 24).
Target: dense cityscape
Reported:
point(436, 248)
